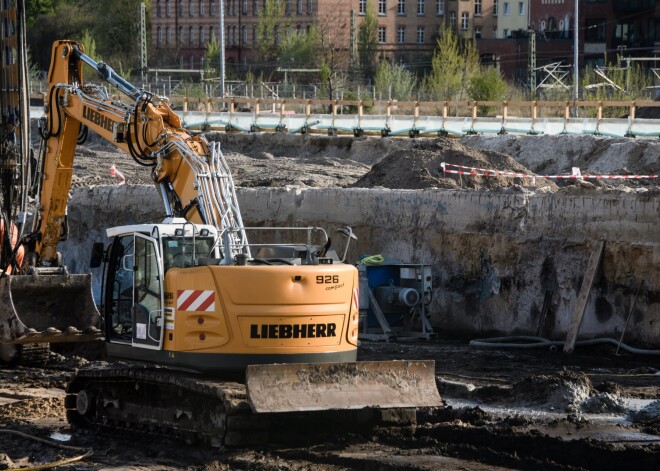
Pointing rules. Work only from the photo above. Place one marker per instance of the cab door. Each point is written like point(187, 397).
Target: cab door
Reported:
point(147, 312)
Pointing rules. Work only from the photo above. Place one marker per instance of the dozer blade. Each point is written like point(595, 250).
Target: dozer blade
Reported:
point(47, 308)
point(309, 387)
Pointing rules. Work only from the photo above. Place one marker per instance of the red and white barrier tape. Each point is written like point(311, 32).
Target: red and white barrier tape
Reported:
point(484, 172)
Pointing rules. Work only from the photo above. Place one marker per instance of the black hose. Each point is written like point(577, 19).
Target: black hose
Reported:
point(54, 91)
point(83, 133)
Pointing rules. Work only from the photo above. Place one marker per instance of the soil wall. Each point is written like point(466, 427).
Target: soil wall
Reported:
point(496, 255)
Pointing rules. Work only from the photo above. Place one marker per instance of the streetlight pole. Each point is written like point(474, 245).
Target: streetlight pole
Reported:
point(222, 48)
point(575, 54)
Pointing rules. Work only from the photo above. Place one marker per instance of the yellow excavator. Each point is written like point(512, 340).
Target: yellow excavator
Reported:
point(191, 293)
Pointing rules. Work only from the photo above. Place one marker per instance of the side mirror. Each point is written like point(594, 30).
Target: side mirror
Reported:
point(98, 255)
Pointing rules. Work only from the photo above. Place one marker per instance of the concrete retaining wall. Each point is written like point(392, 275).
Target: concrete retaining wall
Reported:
point(495, 255)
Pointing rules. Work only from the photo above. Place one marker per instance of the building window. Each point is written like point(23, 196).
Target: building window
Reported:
point(211, 33)
point(310, 7)
point(421, 7)
point(401, 35)
point(192, 62)
point(421, 36)
point(254, 34)
point(464, 20)
point(180, 35)
point(167, 8)
point(202, 8)
point(506, 34)
point(202, 36)
point(159, 36)
point(477, 7)
point(287, 7)
point(382, 7)
point(381, 35)
point(439, 7)
point(244, 34)
point(506, 8)
point(191, 35)
point(277, 34)
point(521, 8)
point(191, 8)
point(362, 9)
point(401, 8)
point(477, 32)
point(244, 8)
point(158, 9)
point(180, 7)
point(452, 19)
point(495, 7)
point(299, 7)
point(654, 29)
point(212, 7)
point(168, 36)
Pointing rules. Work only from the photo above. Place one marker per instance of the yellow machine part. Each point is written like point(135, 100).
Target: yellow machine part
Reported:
point(248, 310)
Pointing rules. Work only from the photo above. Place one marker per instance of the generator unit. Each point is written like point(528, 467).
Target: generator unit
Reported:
point(393, 299)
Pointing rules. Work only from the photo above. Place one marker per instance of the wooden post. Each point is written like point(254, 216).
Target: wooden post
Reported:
point(581, 304)
point(632, 110)
point(231, 105)
point(599, 113)
point(185, 105)
point(567, 111)
point(308, 108)
point(505, 110)
point(256, 106)
point(534, 110)
point(474, 110)
point(388, 109)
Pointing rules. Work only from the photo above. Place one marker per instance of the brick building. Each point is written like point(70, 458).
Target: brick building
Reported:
point(407, 29)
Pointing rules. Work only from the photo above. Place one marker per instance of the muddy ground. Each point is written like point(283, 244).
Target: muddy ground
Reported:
point(505, 409)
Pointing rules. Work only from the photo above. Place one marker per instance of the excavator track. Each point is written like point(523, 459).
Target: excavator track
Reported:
point(202, 410)
point(29, 354)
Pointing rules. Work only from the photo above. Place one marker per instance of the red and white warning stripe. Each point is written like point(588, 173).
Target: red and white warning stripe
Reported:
point(196, 300)
point(356, 298)
point(484, 172)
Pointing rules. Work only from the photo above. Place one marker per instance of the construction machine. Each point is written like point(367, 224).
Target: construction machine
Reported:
point(193, 295)
point(40, 302)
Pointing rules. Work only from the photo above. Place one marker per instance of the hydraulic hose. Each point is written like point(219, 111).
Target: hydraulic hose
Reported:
point(527, 342)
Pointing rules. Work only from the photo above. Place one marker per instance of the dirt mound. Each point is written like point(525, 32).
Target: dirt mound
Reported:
point(420, 167)
point(564, 391)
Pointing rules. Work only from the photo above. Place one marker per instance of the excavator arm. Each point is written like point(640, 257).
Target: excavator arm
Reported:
point(188, 171)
